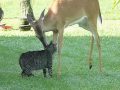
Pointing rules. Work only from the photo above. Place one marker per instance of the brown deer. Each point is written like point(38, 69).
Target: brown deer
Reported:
point(63, 13)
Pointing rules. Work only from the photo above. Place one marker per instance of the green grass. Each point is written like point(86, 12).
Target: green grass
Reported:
point(75, 72)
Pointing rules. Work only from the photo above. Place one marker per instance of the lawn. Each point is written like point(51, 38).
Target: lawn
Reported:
point(75, 72)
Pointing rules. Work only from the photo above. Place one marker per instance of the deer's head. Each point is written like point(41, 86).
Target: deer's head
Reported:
point(37, 26)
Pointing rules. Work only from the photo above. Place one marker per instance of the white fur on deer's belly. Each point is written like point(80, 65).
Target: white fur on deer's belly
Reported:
point(82, 22)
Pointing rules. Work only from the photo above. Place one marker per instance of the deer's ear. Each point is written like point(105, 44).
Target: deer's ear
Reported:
point(30, 19)
point(42, 15)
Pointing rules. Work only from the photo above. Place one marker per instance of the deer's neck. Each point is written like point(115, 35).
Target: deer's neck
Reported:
point(49, 21)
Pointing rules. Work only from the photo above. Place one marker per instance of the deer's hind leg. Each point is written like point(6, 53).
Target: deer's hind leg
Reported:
point(90, 52)
point(93, 29)
point(84, 23)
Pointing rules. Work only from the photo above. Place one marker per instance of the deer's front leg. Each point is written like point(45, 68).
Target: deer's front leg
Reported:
point(55, 36)
point(60, 43)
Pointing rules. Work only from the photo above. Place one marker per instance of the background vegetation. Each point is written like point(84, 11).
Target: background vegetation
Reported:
point(75, 72)
point(12, 8)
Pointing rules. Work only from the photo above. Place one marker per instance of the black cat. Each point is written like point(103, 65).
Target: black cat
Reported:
point(36, 60)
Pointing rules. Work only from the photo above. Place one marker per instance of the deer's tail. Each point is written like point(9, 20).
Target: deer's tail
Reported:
point(100, 16)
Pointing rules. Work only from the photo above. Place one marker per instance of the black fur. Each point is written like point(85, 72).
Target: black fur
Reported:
point(35, 60)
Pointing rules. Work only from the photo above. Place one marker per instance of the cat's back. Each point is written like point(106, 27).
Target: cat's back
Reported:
point(32, 53)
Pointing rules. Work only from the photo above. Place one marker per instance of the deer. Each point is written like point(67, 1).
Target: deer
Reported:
point(63, 13)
